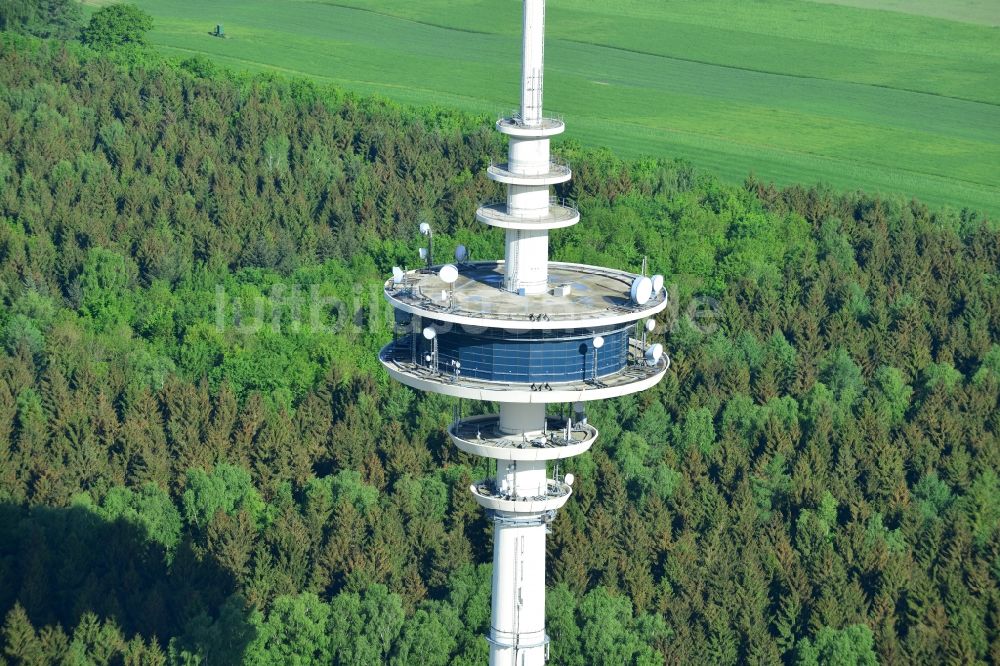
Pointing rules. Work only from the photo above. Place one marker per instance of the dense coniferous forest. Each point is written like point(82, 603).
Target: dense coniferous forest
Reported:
point(198, 464)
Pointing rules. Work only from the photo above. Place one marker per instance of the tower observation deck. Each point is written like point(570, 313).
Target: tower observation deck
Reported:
point(524, 332)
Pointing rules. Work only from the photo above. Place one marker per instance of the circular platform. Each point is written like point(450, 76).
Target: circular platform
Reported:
point(557, 173)
point(580, 296)
point(496, 215)
point(557, 493)
point(481, 436)
point(545, 127)
point(398, 362)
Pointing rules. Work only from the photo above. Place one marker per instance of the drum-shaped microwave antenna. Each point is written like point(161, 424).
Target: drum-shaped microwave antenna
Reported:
point(657, 283)
point(448, 273)
point(642, 290)
point(653, 354)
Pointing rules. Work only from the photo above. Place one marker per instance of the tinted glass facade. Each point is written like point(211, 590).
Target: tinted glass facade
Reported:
point(531, 357)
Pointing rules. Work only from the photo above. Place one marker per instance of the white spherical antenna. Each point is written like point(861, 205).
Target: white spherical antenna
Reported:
point(657, 283)
point(425, 228)
point(650, 325)
point(642, 289)
point(598, 342)
point(461, 253)
point(448, 273)
point(423, 253)
point(653, 354)
point(569, 479)
point(430, 332)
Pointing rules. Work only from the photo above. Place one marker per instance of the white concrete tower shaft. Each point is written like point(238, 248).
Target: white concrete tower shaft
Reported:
point(527, 251)
point(517, 632)
point(517, 636)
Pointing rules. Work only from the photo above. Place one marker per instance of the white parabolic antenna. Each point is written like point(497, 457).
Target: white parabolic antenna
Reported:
point(429, 332)
point(461, 253)
point(598, 342)
point(397, 274)
point(642, 289)
point(425, 228)
point(650, 325)
point(657, 283)
point(569, 479)
point(448, 273)
point(654, 354)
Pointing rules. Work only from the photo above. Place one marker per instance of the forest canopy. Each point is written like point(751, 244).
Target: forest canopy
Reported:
point(193, 471)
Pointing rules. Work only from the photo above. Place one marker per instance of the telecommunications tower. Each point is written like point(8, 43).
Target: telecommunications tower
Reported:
point(524, 333)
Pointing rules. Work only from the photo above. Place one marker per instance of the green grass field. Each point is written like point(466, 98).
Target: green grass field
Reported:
point(883, 95)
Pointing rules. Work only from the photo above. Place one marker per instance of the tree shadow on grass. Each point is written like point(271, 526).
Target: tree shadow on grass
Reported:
point(59, 563)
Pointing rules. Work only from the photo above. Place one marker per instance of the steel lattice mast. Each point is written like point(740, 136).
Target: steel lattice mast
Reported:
point(524, 333)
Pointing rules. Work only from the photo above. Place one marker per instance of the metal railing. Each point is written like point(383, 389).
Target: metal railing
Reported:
point(499, 209)
point(554, 160)
point(401, 354)
point(486, 430)
point(565, 202)
point(553, 489)
point(514, 117)
point(557, 166)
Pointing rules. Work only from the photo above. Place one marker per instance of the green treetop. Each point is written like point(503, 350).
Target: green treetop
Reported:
point(117, 25)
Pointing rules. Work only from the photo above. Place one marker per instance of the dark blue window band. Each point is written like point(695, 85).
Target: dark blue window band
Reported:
point(530, 357)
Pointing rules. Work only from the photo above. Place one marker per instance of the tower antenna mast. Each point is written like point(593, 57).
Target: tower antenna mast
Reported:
point(524, 332)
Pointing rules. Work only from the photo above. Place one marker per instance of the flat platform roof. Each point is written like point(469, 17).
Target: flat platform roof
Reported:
point(597, 297)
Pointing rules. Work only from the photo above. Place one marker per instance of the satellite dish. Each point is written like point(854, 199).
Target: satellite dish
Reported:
point(598, 342)
point(461, 253)
point(448, 273)
point(650, 325)
point(653, 354)
point(425, 228)
point(430, 332)
point(657, 283)
point(397, 274)
point(423, 253)
point(642, 289)
point(569, 479)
